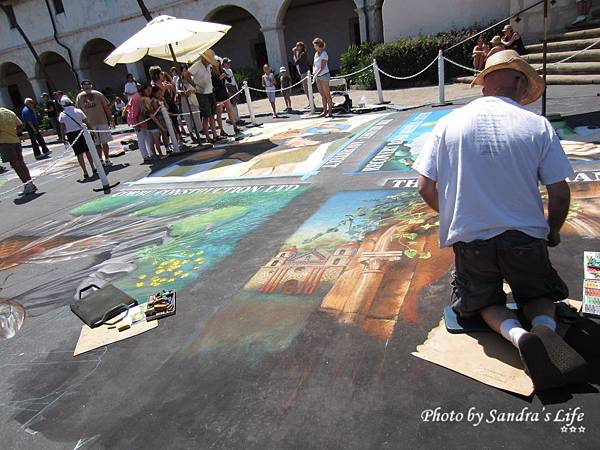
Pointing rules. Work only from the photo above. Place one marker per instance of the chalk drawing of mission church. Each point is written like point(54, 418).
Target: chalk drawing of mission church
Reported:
point(302, 273)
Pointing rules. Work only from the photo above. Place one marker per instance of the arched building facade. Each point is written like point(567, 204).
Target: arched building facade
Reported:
point(264, 31)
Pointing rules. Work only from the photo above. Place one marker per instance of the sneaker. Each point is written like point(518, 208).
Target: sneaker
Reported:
point(29, 188)
point(109, 163)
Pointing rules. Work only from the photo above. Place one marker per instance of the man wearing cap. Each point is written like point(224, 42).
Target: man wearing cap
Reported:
point(52, 113)
point(11, 151)
point(96, 108)
point(480, 169)
point(512, 40)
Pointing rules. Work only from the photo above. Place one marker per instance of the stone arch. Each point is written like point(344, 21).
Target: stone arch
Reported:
point(58, 70)
point(15, 85)
point(91, 65)
point(336, 21)
point(244, 44)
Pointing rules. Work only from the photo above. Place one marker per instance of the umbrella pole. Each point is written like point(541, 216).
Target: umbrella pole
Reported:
point(191, 121)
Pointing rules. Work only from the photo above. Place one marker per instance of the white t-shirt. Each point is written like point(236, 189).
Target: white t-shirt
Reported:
point(201, 76)
point(72, 123)
point(130, 88)
point(487, 159)
point(317, 63)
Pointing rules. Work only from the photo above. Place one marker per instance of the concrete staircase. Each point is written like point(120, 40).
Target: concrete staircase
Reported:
point(582, 68)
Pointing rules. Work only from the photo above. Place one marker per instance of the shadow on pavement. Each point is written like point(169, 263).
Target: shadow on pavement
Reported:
point(27, 198)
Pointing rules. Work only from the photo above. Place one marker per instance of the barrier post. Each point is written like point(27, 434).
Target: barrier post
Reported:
point(170, 128)
point(378, 82)
point(106, 186)
point(441, 80)
point(311, 98)
point(249, 103)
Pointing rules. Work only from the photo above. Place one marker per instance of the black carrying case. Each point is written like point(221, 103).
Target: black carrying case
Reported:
point(101, 305)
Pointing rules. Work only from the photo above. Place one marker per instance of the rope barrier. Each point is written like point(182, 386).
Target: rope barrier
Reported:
point(411, 76)
point(353, 73)
point(68, 148)
point(461, 66)
point(574, 55)
point(280, 89)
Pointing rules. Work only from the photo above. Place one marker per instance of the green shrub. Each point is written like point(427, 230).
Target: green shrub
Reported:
point(253, 77)
point(408, 56)
point(355, 58)
point(43, 122)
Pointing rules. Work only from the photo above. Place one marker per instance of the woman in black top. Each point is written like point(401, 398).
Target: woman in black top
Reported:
point(512, 40)
point(219, 76)
point(301, 63)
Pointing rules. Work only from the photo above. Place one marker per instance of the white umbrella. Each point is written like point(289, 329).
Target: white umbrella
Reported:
point(186, 38)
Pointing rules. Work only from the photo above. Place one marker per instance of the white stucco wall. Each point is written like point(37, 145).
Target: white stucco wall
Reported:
point(531, 26)
point(402, 18)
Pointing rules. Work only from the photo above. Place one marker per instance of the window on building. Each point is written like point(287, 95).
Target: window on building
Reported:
point(282, 255)
point(275, 263)
point(11, 16)
point(336, 261)
point(58, 6)
point(342, 252)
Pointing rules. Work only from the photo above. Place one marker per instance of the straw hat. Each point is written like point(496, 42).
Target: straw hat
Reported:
point(510, 59)
point(211, 57)
point(506, 28)
point(496, 40)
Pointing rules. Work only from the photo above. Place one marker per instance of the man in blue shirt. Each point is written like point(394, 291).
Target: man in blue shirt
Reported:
point(31, 123)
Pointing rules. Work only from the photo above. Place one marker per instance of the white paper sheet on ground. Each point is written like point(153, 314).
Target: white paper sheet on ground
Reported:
point(90, 339)
point(485, 357)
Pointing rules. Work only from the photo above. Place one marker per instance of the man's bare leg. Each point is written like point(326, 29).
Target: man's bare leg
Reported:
point(548, 360)
point(106, 151)
point(505, 322)
point(21, 170)
point(541, 312)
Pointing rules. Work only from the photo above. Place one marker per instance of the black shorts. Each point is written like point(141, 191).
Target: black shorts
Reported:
point(221, 94)
point(80, 147)
point(11, 153)
point(207, 105)
point(521, 260)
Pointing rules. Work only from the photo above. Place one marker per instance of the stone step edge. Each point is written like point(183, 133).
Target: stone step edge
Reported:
point(552, 79)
